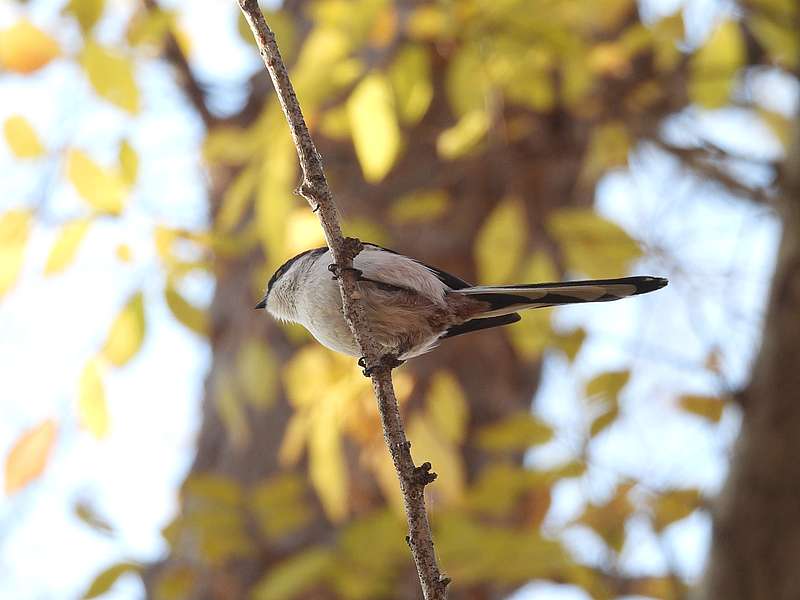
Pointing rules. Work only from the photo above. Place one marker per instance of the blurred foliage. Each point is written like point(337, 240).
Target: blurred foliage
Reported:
point(369, 74)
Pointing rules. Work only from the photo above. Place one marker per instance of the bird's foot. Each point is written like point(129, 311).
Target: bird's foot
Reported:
point(387, 362)
point(337, 270)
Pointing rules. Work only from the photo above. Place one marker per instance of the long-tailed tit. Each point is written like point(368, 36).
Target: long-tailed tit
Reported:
point(411, 306)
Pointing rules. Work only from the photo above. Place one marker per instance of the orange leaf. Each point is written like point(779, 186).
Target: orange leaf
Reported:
point(29, 455)
point(25, 48)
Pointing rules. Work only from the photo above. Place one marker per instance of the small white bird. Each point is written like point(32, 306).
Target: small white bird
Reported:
point(411, 306)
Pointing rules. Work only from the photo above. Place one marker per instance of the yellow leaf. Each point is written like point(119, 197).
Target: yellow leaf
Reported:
point(22, 138)
point(606, 387)
point(570, 342)
point(66, 246)
point(429, 445)
point(128, 162)
point(25, 48)
point(608, 149)
point(127, 332)
point(231, 410)
point(187, 314)
point(707, 407)
point(501, 242)
point(29, 455)
point(92, 407)
point(593, 246)
point(102, 188)
point(373, 123)
point(88, 515)
point(15, 227)
point(608, 520)
point(124, 253)
point(714, 66)
point(288, 579)
point(112, 76)
point(466, 82)
point(674, 505)
point(778, 36)
point(516, 432)
point(302, 231)
point(327, 468)
point(447, 407)
point(410, 75)
point(87, 12)
point(106, 579)
point(237, 199)
point(280, 505)
point(258, 373)
point(278, 178)
point(420, 206)
point(464, 136)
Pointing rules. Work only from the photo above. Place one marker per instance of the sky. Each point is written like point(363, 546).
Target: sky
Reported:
point(717, 251)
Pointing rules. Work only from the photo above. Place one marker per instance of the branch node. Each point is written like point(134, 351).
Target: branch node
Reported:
point(422, 475)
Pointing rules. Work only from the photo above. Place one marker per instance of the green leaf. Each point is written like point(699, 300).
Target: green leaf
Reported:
point(674, 505)
point(22, 138)
point(592, 245)
point(187, 314)
point(66, 246)
point(86, 12)
point(112, 76)
point(373, 123)
point(105, 190)
point(107, 578)
point(410, 75)
point(707, 407)
point(514, 433)
point(15, 228)
point(464, 136)
point(293, 576)
point(92, 406)
point(714, 66)
point(501, 242)
point(127, 332)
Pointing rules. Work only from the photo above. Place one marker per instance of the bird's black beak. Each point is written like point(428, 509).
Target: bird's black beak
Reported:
point(263, 303)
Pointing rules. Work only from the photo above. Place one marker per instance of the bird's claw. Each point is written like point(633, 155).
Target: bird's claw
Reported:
point(337, 270)
point(387, 362)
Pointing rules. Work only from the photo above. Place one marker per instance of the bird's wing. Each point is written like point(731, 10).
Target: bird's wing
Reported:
point(450, 280)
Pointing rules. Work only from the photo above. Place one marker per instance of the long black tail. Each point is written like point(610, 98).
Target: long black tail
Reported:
point(508, 299)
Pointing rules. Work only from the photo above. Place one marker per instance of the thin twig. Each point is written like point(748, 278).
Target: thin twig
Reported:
point(314, 188)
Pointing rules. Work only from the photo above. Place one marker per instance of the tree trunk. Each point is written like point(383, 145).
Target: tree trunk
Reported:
point(756, 542)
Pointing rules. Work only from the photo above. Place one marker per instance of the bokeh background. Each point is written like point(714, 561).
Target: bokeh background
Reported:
point(162, 439)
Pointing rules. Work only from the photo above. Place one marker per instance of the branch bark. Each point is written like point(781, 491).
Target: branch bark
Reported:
point(756, 537)
point(314, 188)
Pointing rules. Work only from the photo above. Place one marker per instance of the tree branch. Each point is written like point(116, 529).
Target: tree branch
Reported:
point(174, 55)
point(314, 188)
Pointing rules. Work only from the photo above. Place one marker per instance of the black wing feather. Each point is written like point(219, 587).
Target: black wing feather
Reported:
point(478, 324)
